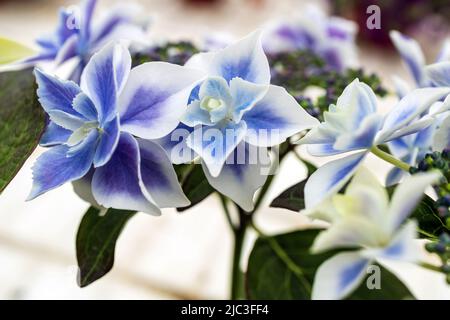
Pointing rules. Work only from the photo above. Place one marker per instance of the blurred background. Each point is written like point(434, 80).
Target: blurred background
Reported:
point(188, 255)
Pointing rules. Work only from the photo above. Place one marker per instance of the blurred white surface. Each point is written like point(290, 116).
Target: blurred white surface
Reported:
point(174, 256)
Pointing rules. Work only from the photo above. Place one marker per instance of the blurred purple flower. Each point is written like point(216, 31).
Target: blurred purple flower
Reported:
point(332, 38)
point(79, 35)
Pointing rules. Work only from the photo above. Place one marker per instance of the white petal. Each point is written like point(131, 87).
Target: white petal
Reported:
point(215, 144)
point(408, 108)
point(401, 87)
point(330, 178)
point(353, 232)
point(245, 172)
point(159, 177)
point(244, 59)
point(402, 247)
point(155, 97)
point(411, 54)
point(406, 196)
point(275, 118)
point(441, 138)
point(439, 73)
point(338, 276)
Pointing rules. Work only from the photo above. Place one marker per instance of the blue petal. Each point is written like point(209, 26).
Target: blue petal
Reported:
point(245, 96)
point(330, 178)
point(103, 77)
point(195, 115)
point(66, 120)
point(194, 94)
point(108, 143)
point(363, 138)
point(54, 168)
point(395, 175)
point(409, 107)
point(412, 54)
point(84, 105)
point(244, 172)
point(118, 183)
point(276, 117)
point(155, 97)
point(89, 142)
point(217, 88)
point(87, 12)
point(55, 94)
point(159, 177)
point(244, 59)
point(323, 150)
point(338, 276)
point(175, 145)
point(120, 22)
point(214, 144)
point(439, 74)
point(68, 50)
point(64, 30)
point(54, 135)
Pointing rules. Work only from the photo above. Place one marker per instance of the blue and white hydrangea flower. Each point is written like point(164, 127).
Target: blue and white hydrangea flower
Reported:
point(234, 112)
point(364, 219)
point(353, 125)
point(103, 130)
point(332, 38)
point(411, 149)
point(78, 35)
point(414, 59)
point(439, 75)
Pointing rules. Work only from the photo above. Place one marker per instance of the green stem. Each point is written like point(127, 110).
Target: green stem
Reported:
point(227, 212)
point(239, 237)
point(389, 158)
point(239, 231)
point(290, 264)
point(430, 267)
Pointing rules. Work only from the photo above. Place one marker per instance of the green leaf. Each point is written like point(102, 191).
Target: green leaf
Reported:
point(96, 242)
point(311, 168)
point(195, 186)
point(270, 277)
point(11, 51)
point(430, 223)
point(22, 121)
point(292, 198)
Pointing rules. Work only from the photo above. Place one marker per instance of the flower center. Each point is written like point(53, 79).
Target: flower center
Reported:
point(210, 104)
point(78, 135)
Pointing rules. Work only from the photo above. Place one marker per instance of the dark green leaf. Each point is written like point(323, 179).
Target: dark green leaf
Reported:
point(292, 198)
point(96, 243)
point(22, 121)
point(195, 186)
point(268, 276)
point(311, 168)
point(430, 223)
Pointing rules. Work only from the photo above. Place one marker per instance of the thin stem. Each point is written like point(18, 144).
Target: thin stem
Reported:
point(430, 267)
point(223, 201)
point(389, 158)
point(239, 230)
point(279, 251)
point(239, 237)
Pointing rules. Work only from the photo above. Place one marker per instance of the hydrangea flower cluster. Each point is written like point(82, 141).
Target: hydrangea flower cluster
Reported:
point(105, 126)
point(364, 218)
point(78, 35)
